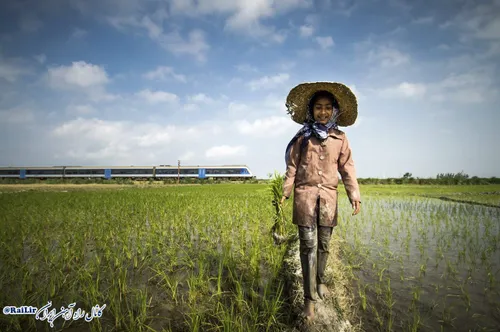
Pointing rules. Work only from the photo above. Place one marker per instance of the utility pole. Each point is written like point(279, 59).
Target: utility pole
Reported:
point(178, 171)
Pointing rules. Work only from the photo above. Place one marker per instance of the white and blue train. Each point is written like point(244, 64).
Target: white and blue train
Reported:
point(235, 172)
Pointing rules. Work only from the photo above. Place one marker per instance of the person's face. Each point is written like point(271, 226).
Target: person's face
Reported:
point(322, 110)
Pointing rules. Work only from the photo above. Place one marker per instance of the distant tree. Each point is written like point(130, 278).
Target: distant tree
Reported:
point(407, 175)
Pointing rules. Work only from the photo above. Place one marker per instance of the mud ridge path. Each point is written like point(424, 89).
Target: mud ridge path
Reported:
point(328, 313)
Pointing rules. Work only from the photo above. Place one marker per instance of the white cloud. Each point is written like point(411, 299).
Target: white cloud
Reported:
point(285, 65)
point(12, 69)
point(257, 30)
point(246, 68)
point(190, 107)
point(201, 98)
point(153, 139)
point(81, 77)
point(162, 72)
point(128, 133)
point(444, 47)
point(197, 101)
point(341, 7)
point(235, 108)
point(79, 74)
point(405, 89)
point(93, 141)
point(246, 10)
point(91, 128)
point(388, 56)
point(306, 30)
point(187, 156)
point(80, 109)
point(196, 44)
point(16, 116)
point(243, 16)
point(312, 19)
point(267, 127)
point(325, 42)
point(78, 33)
point(30, 23)
point(477, 21)
point(156, 97)
point(274, 103)
point(173, 42)
point(270, 104)
point(306, 53)
point(41, 58)
point(99, 95)
point(225, 151)
point(468, 87)
point(268, 82)
point(97, 139)
point(462, 80)
point(424, 20)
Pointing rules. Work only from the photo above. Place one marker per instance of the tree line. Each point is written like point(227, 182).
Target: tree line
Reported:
point(441, 179)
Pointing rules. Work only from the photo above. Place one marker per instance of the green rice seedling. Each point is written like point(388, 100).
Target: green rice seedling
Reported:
point(194, 321)
point(415, 322)
point(447, 318)
point(362, 295)
point(174, 229)
point(279, 226)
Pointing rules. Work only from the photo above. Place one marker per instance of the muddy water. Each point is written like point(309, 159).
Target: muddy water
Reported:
point(436, 262)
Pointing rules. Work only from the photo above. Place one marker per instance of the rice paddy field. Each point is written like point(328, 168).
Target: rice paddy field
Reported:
point(201, 258)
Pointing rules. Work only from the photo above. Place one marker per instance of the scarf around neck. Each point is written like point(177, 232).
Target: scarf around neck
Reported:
point(318, 130)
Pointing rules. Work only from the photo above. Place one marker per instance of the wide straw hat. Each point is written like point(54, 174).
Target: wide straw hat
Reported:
point(299, 97)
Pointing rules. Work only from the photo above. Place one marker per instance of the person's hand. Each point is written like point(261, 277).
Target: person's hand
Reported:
point(282, 200)
point(356, 207)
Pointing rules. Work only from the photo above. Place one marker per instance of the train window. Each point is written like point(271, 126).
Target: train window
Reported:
point(166, 171)
point(189, 171)
point(128, 171)
point(9, 172)
point(44, 172)
point(225, 171)
point(174, 171)
point(84, 172)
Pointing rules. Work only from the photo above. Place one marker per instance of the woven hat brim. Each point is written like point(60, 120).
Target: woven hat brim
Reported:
point(298, 100)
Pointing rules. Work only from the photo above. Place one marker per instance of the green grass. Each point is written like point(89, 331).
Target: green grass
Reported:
point(178, 258)
point(201, 258)
point(433, 190)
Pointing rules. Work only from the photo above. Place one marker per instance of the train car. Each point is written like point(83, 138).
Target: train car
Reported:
point(10, 172)
point(109, 172)
point(202, 172)
point(237, 172)
point(174, 171)
point(143, 172)
point(41, 172)
point(86, 172)
point(234, 172)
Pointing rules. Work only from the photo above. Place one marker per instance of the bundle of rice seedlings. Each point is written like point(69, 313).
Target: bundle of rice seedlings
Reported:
point(279, 228)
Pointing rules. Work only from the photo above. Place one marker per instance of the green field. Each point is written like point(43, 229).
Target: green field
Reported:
point(200, 258)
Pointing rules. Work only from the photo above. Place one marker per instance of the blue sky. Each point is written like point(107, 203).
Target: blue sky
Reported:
point(129, 82)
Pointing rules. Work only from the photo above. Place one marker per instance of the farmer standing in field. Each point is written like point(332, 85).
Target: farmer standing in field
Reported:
point(314, 157)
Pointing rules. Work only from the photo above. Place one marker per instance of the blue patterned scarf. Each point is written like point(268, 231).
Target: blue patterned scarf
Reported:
point(318, 130)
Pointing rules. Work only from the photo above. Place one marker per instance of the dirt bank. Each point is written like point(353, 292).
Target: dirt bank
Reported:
point(331, 315)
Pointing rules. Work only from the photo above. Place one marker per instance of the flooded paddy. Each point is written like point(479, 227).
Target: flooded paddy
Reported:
point(424, 264)
point(161, 259)
point(201, 258)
